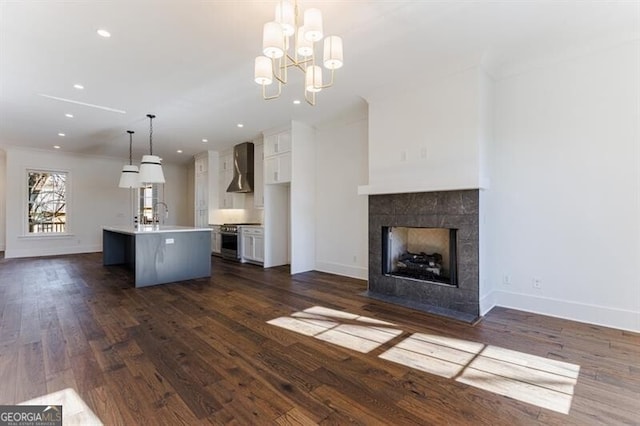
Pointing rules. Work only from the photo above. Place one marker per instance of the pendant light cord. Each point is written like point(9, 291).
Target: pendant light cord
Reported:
point(131, 132)
point(151, 117)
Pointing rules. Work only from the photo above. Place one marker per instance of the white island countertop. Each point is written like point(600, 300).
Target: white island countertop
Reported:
point(151, 229)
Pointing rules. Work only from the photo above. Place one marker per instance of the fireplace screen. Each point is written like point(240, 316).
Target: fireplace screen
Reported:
point(424, 254)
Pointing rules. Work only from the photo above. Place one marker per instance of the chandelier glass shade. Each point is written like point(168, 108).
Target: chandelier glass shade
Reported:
point(151, 165)
point(286, 44)
point(130, 177)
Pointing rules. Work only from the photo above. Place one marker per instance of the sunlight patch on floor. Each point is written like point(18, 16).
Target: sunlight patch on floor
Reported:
point(74, 410)
point(528, 378)
point(339, 327)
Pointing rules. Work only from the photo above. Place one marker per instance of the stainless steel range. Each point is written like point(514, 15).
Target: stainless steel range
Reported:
point(231, 240)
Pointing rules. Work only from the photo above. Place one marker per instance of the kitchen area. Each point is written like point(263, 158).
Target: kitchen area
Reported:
point(248, 196)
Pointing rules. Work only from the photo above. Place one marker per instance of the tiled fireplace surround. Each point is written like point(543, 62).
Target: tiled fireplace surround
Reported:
point(443, 209)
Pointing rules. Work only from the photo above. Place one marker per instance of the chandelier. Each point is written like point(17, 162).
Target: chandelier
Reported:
point(286, 45)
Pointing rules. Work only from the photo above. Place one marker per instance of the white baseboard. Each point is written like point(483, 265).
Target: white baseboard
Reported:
point(487, 302)
point(51, 251)
point(582, 312)
point(358, 272)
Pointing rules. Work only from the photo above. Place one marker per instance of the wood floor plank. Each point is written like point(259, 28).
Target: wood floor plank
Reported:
point(31, 381)
point(207, 351)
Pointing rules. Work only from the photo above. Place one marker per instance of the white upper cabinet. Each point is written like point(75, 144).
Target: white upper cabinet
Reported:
point(277, 158)
point(277, 169)
point(277, 143)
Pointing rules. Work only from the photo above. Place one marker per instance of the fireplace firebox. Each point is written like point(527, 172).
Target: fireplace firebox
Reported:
point(421, 254)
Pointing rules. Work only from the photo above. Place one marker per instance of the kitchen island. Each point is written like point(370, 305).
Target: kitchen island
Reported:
point(158, 254)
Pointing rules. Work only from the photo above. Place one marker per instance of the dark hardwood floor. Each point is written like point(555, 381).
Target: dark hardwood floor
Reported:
point(201, 352)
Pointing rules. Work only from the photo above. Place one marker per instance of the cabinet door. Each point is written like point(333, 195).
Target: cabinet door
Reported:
point(271, 170)
point(284, 167)
point(258, 248)
point(201, 164)
point(216, 241)
point(201, 191)
point(277, 143)
point(284, 142)
point(247, 247)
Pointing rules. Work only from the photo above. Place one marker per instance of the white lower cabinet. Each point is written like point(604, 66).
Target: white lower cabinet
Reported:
point(253, 244)
point(216, 241)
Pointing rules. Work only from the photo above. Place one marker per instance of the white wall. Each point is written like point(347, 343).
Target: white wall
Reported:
point(486, 106)
point(3, 185)
point(342, 214)
point(426, 138)
point(94, 200)
point(303, 201)
point(564, 199)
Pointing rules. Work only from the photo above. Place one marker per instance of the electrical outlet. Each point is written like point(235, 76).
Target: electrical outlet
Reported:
point(403, 155)
point(537, 282)
point(355, 259)
point(423, 152)
point(506, 279)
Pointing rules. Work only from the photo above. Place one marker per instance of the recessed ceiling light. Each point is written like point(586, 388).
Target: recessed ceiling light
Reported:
point(296, 102)
point(179, 151)
point(104, 33)
point(61, 134)
point(78, 86)
point(240, 125)
point(69, 115)
point(56, 146)
point(205, 140)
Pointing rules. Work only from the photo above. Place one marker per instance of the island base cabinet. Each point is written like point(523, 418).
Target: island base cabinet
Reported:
point(160, 257)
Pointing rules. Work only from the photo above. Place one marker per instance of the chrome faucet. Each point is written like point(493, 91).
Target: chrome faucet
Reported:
point(155, 212)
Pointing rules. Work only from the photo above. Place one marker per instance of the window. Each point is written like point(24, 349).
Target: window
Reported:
point(47, 202)
point(148, 197)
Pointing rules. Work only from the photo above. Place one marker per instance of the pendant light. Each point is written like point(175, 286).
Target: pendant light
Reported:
point(130, 178)
point(150, 166)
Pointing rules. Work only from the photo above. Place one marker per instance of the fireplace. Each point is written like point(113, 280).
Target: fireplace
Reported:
point(421, 254)
point(429, 231)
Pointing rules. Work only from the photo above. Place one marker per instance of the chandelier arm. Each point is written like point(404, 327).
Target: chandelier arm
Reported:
point(311, 101)
point(269, 97)
point(279, 72)
point(329, 84)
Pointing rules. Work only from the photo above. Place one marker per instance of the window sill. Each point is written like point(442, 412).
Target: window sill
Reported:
point(44, 236)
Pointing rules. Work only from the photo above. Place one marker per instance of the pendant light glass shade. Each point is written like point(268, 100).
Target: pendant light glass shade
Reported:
point(313, 25)
point(130, 178)
point(285, 16)
point(273, 40)
point(151, 165)
point(263, 73)
point(313, 79)
point(332, 52)
point(151, 169)
point(304, 47)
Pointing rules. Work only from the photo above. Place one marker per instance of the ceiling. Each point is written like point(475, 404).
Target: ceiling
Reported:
point(191, 63)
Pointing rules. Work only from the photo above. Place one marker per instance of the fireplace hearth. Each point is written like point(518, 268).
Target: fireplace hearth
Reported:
point(424, 251)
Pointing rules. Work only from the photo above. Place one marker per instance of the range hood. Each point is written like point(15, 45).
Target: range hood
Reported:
point(242, 168)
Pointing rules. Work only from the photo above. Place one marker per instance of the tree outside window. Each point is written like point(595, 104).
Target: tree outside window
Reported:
point(47, 202)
